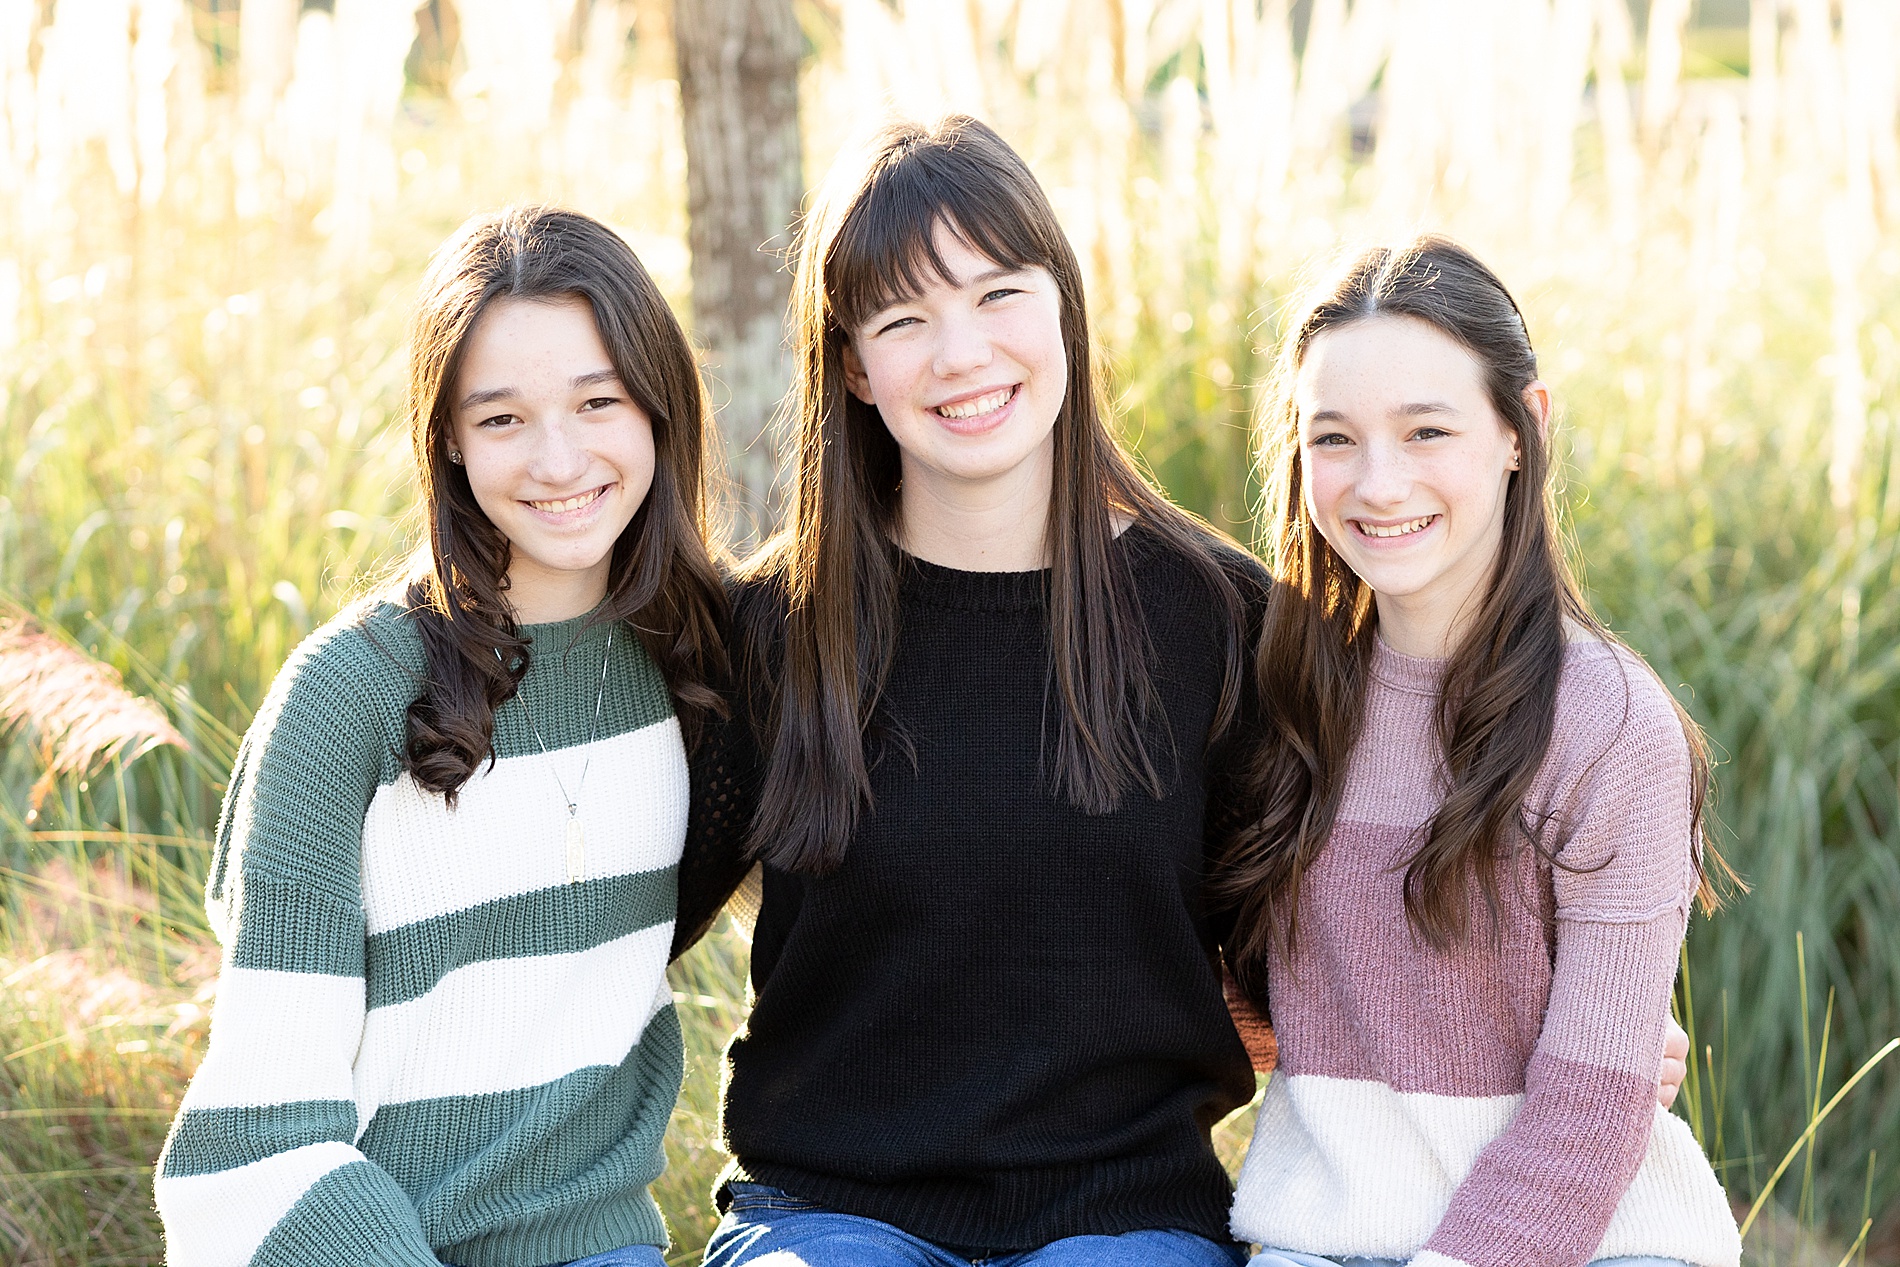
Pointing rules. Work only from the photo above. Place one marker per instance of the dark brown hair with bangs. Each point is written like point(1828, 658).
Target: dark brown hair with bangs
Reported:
point(833, 576)
point(661, 577)
point(1497, 711)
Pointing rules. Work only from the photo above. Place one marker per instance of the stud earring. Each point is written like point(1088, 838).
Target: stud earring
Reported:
point(455, 456)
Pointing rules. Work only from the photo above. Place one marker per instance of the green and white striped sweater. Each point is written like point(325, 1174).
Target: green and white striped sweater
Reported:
point(426, 1041)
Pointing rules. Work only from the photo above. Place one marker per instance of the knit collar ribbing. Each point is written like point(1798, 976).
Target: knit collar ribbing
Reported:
point(1415, 675)
point(954, 588)
point(556, 638)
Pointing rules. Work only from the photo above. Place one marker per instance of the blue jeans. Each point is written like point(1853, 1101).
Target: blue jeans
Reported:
point(770, 1228)
point(630, 1256)
point(626, 1256)
point(1287, 1258)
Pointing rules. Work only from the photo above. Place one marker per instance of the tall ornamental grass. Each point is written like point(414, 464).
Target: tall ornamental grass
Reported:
point(210, 234)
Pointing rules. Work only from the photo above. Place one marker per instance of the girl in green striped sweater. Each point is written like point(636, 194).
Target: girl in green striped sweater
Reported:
point(446, 870)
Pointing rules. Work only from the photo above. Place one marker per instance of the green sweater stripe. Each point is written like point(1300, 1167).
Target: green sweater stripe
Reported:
point(347, 1217)
point(535, 1136)
point(523, 1177)
point(560, 1236)
point(209, 1140)
point(635, 696)
point(285, 927)
point(587, 1163)
point(406, 963)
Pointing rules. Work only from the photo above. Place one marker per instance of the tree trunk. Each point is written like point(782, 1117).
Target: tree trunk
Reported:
point(738, 74)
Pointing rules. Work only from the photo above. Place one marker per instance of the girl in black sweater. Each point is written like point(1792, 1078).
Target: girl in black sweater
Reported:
point(991, 673)
point(997, 692)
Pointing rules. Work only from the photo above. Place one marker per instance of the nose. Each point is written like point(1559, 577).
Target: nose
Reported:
point(559, 457)
point(962, 347)
point(1384, 477)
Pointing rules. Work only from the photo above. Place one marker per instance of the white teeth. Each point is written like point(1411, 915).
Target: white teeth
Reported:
point(572, 503)
point(981, 405)
point(1405, 529)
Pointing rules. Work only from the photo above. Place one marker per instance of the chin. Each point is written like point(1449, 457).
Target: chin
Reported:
point(1384, 582)
point(569, 560)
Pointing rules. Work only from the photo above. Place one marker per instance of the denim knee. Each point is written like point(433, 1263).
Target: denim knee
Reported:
point(629, 1256)
point(1154, 1247)
point(767, 1227)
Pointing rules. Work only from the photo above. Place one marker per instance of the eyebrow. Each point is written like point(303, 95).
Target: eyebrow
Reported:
point(490, 395)
point(983, 278)
point(995, 274)
point(1412, 409)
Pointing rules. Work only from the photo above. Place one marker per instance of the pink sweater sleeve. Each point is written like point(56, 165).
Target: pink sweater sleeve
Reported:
point(1622, 902)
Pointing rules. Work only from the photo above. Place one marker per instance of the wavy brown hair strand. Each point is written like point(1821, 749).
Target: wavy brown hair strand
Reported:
point(1497, 710)
point(662, 580)
point(867, 242)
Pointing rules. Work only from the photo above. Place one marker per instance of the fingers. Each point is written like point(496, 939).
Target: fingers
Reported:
point(1675, 1041)
point(1673, 1072)
point(1675, 1065)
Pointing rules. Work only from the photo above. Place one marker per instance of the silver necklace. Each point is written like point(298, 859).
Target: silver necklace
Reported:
point(576, 835)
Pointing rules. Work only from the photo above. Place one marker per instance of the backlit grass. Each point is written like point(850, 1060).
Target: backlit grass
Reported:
point(202, 308)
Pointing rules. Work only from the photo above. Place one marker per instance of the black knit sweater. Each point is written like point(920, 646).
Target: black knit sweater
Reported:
point(999, 1022)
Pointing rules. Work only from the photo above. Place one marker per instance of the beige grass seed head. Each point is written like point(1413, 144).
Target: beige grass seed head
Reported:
point(79, 710)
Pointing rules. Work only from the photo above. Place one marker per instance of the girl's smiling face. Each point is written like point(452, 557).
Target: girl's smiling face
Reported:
point(1405, 465)
point(558, 455)
point(968, 376)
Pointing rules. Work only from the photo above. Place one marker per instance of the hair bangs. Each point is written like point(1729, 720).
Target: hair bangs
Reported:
point(820, 662)
point(886, 251)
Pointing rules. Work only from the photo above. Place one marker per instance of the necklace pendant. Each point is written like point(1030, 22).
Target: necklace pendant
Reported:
point(576, 850)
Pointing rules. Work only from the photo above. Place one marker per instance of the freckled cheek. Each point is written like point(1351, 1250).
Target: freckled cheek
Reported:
point(892, 380)
point(494, 496)
point(1485, 497)
point(1055, 362)
point(483, 473)
point(634, 457)
point(1324, 485)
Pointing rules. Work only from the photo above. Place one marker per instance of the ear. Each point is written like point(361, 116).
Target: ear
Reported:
point(1537, 396)
point(1537, 400)
point(855, 379)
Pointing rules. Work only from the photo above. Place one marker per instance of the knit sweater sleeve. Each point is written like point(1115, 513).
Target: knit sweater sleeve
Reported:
point(1622, 888)
point(261, 1166)
point(726, 771)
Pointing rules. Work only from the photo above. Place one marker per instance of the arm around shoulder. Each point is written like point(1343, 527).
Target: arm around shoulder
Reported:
point(726, 772)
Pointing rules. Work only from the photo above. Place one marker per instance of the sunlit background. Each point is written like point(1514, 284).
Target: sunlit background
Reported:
point(213, 220)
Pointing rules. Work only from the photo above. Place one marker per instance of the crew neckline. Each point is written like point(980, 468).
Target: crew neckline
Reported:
point(975, 591)
point(559, 637)
point(1418, 675)
point(958, 588)
point(1425, 675)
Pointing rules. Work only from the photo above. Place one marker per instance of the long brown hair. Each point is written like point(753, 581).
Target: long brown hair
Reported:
point(661, 577)
point(835, 573)
point(1498, 704)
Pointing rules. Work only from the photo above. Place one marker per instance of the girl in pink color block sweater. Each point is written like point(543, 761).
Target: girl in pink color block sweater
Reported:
point(1464, 901)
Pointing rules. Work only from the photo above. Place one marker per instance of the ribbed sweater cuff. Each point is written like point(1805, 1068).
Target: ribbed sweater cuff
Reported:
point(564, 1235)
point(355, 1214)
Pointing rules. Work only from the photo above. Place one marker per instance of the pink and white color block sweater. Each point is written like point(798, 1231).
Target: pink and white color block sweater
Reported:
point(1492, 1105)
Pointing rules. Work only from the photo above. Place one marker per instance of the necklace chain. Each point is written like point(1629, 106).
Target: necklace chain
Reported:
point(576, 857)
